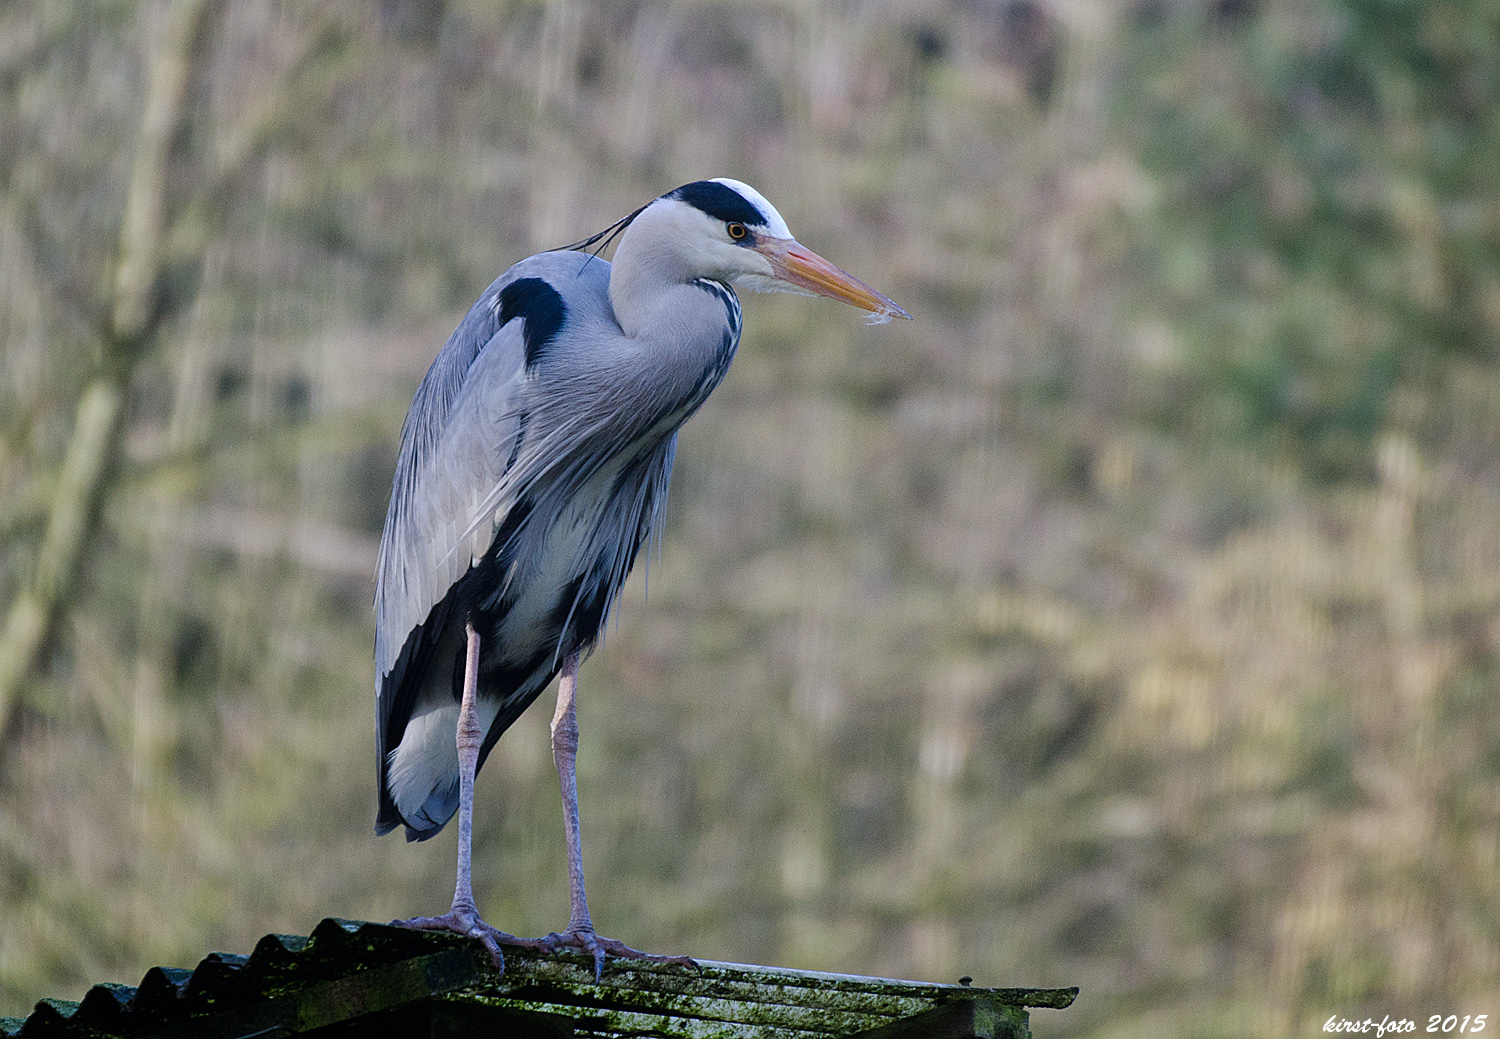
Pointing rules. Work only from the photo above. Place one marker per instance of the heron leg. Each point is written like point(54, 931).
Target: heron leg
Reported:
point(464, 917)
point(580, 933)
point(565, 758)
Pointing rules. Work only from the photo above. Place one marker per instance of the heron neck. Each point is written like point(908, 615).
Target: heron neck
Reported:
point(665, 307)
point(651, 281)
point(680, 319)
point(685, 329)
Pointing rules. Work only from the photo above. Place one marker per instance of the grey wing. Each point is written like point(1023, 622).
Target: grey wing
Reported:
point(463, 436)
point(459, 429)
point(455, 443)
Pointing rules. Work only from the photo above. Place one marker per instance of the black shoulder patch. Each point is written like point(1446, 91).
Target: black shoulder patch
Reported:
point(720, 202)
point(541, 309)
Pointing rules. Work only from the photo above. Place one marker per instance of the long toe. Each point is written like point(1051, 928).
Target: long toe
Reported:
point(465, 922)
point(586, 939)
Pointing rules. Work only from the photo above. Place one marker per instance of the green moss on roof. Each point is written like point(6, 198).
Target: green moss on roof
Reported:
point(352, 978)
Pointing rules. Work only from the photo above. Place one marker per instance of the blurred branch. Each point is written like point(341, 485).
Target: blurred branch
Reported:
point(27, 44)
point(29, 507)
point(247, 142)
point(250, 449)
point(315, 546)
point(133, 323)
point(66, 302)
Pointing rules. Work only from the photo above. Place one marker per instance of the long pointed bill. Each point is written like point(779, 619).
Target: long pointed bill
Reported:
point(800, 266)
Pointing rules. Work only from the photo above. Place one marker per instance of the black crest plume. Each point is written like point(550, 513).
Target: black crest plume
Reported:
point(604, 237)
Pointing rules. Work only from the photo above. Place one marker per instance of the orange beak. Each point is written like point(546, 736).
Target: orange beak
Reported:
point(800, 266)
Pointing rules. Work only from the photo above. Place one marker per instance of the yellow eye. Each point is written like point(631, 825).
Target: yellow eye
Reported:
point(737, 231)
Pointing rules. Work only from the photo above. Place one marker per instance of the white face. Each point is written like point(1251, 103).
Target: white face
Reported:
point(756, 272)
point(701, 246)
point(675, 241)
point(775, 226)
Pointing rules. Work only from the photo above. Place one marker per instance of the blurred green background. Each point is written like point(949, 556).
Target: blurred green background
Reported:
point(1128, 620)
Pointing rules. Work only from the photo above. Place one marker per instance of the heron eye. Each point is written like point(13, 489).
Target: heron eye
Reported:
point(737, 231)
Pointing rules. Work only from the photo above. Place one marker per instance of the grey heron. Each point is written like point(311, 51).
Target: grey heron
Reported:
point(534, 465)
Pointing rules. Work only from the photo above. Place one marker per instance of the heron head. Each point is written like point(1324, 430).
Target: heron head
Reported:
point(725, 229)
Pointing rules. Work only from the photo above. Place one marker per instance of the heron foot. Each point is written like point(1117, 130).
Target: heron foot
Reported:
point(465, 921)
point(586, 939)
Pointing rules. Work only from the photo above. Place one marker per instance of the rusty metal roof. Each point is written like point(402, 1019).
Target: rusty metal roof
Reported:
point(351, 978)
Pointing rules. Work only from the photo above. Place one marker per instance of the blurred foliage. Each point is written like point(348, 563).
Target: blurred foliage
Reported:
point(1325, 233)
point(1127, 620)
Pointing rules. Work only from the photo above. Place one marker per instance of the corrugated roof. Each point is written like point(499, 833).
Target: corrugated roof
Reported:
point(353, 978)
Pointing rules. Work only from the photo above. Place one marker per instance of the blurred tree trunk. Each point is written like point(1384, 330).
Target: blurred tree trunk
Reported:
point(134, 319)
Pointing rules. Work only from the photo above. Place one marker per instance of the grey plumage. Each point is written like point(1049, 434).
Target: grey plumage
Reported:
point(535, 461)
point(564, 463)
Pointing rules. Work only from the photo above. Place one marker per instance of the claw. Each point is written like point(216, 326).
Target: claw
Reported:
point(465, 922)
point(587, 940)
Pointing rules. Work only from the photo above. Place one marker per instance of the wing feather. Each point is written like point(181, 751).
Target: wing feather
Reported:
point(443, 463)
point(466, 429)
point(464, 432)
point(515, 438)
